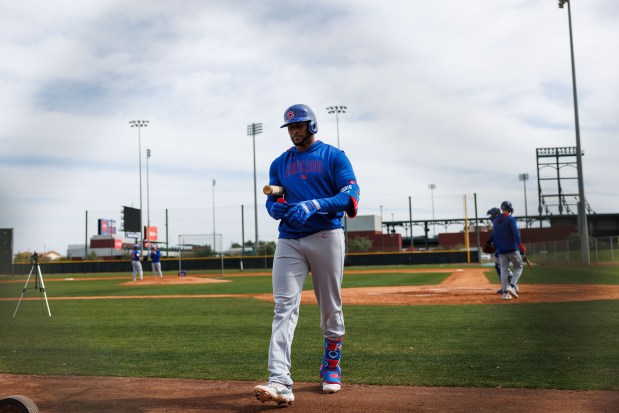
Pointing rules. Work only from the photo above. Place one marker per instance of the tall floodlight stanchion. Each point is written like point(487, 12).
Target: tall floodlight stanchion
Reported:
point(337, 110)
point(147, 201)
point(242, 235)
point(140, 124)
point(214, 244)
point(524, 178)
point(254, 129)
point(410, 221)
point(582, 215)
point(432, 187)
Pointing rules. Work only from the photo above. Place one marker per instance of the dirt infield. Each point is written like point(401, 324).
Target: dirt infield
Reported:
point(55, 394)
point(463, 286)
point(60, 394)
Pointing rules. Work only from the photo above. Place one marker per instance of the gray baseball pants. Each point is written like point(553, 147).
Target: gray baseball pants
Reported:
point(322, 254)
point(516, 260)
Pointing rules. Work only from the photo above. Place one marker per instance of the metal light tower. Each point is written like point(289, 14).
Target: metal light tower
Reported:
point(254, 129)
point(524, 178)
point(147, 201)
point(140, 124)
point(337, 110)
point(432, 187)
point(582, 215)
point(214, 232)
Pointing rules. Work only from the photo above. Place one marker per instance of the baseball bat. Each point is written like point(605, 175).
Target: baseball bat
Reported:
point(527, 261)
point(273, 190)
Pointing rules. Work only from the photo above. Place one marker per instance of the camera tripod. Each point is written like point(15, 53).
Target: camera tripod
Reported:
point(38, 285)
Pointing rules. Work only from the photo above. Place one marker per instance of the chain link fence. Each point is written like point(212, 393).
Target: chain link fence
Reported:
point(603, 250)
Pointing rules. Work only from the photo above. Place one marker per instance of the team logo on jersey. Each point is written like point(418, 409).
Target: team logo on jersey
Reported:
point(304, 167)
point(290, 114)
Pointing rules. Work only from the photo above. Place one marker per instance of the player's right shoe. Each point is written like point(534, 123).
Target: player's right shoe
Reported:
point(507, 296)
point(276, 392)
point(512, 291)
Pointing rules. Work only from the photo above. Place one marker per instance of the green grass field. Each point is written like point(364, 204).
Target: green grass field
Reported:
point(572, 345)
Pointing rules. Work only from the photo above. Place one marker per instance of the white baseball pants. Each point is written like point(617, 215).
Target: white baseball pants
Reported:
point(322, 254)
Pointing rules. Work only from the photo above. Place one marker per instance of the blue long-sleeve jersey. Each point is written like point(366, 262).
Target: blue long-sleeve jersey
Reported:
point(505, 234)
point(155, 256)
point(322, 172)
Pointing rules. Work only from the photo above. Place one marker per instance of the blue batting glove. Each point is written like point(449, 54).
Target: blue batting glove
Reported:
point(300, 213)
point(279, 210)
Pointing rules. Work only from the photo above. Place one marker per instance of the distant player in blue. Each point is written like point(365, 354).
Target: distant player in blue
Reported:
point(136, 264)
point(155, 260)
point(320, 187)
point(493, 213)
point(506, 239)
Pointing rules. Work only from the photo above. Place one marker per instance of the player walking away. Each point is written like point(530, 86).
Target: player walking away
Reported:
point(135, 262)
point(489, 248)
point(506, 238)
point(155, 260)
point(320, 187)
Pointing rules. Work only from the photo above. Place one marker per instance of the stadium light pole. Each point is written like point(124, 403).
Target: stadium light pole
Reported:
point(140, 124)
point(214, 232)
point(254, 129)
point(524, 178)
point(432, 187)
point(147, 201)
point(337, 110)
point(582, 215)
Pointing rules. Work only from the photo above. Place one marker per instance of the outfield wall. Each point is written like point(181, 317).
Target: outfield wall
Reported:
point(248, 263)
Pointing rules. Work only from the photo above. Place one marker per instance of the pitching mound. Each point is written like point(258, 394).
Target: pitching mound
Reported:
point(172, 280)
point(465, 286)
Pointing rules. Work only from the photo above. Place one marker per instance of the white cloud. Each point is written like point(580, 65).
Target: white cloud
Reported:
point(459, 95)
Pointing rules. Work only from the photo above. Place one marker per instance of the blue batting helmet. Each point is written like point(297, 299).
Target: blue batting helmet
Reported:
point(507, 206)
point(493, 212)
point(301, 113)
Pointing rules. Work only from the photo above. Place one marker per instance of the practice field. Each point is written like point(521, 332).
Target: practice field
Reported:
point(418, 339)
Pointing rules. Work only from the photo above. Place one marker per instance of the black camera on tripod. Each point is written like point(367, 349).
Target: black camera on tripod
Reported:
point(34, 258)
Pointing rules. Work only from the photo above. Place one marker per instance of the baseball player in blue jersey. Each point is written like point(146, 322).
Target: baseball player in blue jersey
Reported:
point(320, 186)
point(135, 262)
point(506, 238)
point(155, 260)
point(493, 213)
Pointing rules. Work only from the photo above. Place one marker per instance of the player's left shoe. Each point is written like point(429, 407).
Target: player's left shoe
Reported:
point(331, 381)
point(330, 371)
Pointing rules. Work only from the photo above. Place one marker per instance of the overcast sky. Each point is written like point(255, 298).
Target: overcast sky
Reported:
point(445, 92)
